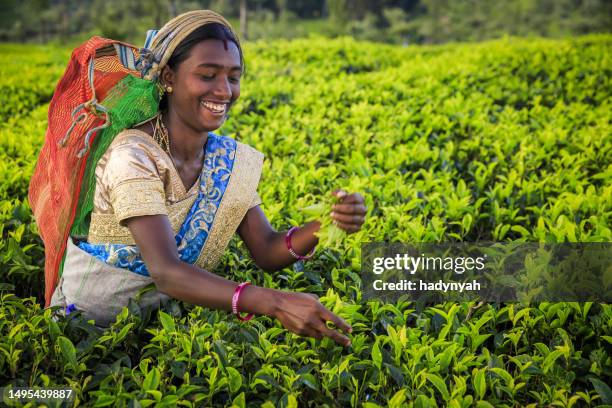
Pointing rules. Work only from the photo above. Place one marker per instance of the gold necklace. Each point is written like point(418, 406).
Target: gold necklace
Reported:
point(160, 134)
point(162, 137)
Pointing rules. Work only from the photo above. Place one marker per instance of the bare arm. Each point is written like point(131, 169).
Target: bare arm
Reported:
point(155, 238)
point(299, 312)
point(267, 246)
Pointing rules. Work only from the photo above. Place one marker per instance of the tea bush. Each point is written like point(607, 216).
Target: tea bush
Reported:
point(508, 140)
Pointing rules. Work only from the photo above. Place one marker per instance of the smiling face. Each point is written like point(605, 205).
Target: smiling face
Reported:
point(205, 85)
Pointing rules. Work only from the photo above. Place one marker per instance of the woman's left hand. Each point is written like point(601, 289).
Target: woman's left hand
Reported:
point(349, 213)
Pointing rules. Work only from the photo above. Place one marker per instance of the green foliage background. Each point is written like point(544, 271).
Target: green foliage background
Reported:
point(393, 21)
point(503, 140)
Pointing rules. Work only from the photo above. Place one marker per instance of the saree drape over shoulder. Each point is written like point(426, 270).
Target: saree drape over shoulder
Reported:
point(135, 177)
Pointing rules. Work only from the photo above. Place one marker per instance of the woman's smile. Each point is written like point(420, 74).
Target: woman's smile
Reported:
point(216, 109)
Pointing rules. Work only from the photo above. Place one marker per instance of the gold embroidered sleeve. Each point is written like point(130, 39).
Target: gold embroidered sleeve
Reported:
point(135, 187)
point(138, 197)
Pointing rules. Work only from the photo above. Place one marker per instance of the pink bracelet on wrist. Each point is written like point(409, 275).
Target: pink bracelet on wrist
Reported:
point(290, 248)
point(235, 298)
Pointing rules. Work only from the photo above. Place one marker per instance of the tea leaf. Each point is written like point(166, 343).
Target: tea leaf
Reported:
point(122, 333)
point(151, 381)
point(239, 401)
point(54, 330)
point(235, 379)
point(422, 401)
point(376, 355)
point(310, 381)
point(480, 385)
point(291, 401)
point(315, 210)
point(68, 350)
point(440, 385)
point(167, 322)
point(157, 395)
point(550, 359)
point(603, 390)
point(105, 401)
point(398, 399)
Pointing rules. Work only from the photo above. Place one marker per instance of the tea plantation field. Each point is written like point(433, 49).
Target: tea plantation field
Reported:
point(508, 140)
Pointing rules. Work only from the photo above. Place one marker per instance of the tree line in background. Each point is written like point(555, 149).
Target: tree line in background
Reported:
point(394, 21)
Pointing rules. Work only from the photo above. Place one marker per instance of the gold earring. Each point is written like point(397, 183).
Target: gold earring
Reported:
point(169, 89)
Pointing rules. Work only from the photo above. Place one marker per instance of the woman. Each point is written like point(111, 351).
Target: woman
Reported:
point(170, 194)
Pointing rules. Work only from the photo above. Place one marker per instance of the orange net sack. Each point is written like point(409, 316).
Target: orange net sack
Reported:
point(100, 94)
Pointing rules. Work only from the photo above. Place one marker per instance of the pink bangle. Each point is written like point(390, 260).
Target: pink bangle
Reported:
point(290, 248)
point(235, 302)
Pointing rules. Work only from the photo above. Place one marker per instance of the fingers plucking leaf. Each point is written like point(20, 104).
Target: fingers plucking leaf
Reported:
point(353, 198)
point(340, 323)
point(340, 194)
point(335, 335)
point(350, 228)
point(329, 235)
point(348, 218)
point(350, 208)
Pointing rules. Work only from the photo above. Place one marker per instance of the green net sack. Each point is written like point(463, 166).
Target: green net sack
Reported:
point(130, 102)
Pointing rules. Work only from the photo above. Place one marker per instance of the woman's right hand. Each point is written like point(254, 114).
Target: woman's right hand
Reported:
point(303, 314)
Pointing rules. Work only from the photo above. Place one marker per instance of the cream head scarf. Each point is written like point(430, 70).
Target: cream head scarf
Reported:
point(161, 44)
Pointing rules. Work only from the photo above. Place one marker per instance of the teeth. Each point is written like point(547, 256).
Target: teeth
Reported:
point(215, 107)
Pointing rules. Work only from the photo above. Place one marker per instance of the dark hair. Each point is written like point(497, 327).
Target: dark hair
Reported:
point(182, 51)
point(215, 31)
